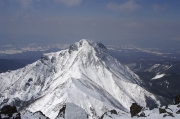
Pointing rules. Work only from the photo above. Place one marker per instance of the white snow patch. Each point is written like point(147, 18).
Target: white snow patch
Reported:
point(158, 76)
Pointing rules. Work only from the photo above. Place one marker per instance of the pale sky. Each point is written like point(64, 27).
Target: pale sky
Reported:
point(149, 23)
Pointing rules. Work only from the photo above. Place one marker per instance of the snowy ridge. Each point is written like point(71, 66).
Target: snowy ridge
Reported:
point(84, 75)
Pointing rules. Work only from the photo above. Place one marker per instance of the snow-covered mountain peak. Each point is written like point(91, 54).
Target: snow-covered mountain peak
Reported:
point(84, 75)
point(84, 43)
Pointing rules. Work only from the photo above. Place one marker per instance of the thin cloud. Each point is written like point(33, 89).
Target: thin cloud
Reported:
point(25, 3)
point(158, 8)
point(129, 6)
point(177, 39)
point(134, 24)
point(70, 3)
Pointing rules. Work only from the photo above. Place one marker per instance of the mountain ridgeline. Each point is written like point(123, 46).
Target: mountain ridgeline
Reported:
point(81, 82)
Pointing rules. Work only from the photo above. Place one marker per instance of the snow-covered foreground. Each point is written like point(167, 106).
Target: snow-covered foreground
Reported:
point(171, 113)
point(84, 75)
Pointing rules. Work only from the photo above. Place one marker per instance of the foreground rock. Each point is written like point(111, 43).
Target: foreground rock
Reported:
point(36, 115)
point(135, 109)
point(9, 112)
point(177, 100)
point(71, 111)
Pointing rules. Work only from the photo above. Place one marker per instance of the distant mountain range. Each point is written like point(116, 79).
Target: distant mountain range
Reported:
point(7, 65)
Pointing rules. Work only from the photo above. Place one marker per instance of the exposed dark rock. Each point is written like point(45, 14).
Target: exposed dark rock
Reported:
point(103, 115)
point(101, 46)
point(164, 115)
point(168, 114)
point(62, 112)
point(9, 112)
point(8, 109)
point(113, 112)
point(177, 100)
point(30, 79)
point(135, 109)
point(27, 84)
point(106, 113)
point(53, 59)
point(142, 114)
point(162, 111)
point(72, 48)
point(178, 112)
point(30, 115)
point(45, 57)
point(41, 114)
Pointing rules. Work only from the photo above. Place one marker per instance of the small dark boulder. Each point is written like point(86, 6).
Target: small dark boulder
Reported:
point(177, 100)
point(8, 109)
point(30, 79)
point(113, 111)
point(9, 112)
point(135, 109)
point(109, 114)
point(168, 114)
point(178, 112)
point(162, 111)
point(62, 112)
point(142, 114)
point(39, 112)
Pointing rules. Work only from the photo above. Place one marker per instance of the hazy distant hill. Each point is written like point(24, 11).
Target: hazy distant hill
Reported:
point(159, 69)
point(161, 78)
point(6, 65)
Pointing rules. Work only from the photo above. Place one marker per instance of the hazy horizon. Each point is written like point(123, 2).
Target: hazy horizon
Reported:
point(137, 22)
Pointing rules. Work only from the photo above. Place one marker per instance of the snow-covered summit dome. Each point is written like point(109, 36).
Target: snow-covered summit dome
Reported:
point(98, 46)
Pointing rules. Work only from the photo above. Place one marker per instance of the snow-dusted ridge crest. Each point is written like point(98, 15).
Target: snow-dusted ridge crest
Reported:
point(84, 75)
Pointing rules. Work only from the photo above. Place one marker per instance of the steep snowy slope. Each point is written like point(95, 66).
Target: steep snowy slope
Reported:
point(84, 75)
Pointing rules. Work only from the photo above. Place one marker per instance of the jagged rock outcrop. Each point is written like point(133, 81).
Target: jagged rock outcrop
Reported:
point(9, 112)
point(177, 100)
point(61, 114)
point(135, 109)
point(35, 115)
point(162, 111)
point(166, 111)
point(109, 114)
